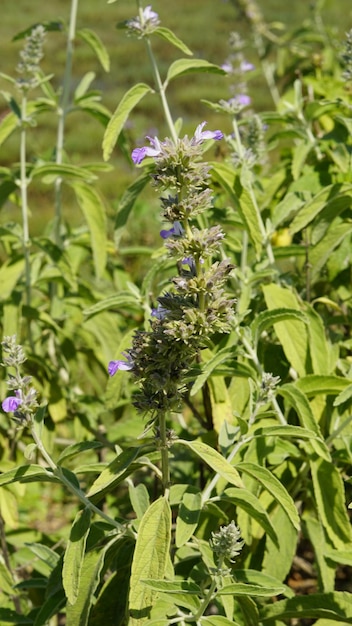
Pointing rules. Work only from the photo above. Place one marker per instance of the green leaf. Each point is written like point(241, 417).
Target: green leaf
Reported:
point(247, 501)
point(50, 607)
point(92, 39)
point(188, 517)
point(305, 415)
point(342, 557)
point(330, 500)
point(255, 577)
point(313, 385)
point(320, 253)
point(212, 458)
point(83, 85)
point(292, 334)
point(266, 319)
point(217, 620)
point(7, 616)
point(150, 559)
point(175, 586)
point(74, 554)
point(319, 348)
point(169, 36)
point(77, 614)
point(212, 361)
point(335, 606)
point(273, 486)
point(314, 530)
point(113, 474)
point(8, 124)
point(344, 396)
point(312, 208)
point(27, 474)
point(126, 204)
point(78, 448)
point(226, 177)
point(9, 277)
point(49, 559)
point(119, 117)
point(51, 171)
point(94, 212)
point(246, 589)
point(181, 67)
point(120, 302)
point(139, 497)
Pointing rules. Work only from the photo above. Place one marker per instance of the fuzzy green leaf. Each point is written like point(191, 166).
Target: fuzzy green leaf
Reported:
point(327, 196)
point(126, 204)
point(9, 277)
point(247, 589)
point(78, 448)
point(139, 497)
point(267, 319)
point(92, 39)
point(149, 559)
point(174, 586)
point(74, 554)
point(181, 67)
point(27, 474)
point(119, 117)
point(93, 210)
point(188, 517)
point(226, 177)
point(169, 36)
point(320, 253)
point(330, 500)
point(212, 458)
point(122, 301)
point(336, 606)
point(292, 334)
point(112, 475)
point(247, 501)
point(277, 490)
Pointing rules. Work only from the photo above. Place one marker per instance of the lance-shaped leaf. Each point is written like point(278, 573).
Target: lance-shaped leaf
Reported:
point(330, 500)
point(247, 501)
point(267, 319)
point(74, 555)
point(169, 36)
point(212, 458)
point(27, 474)
point(92, 39)
point(190, 66)
point(188, 517)
point(226, 177)
point(93, 210)
point(335, 606)
point(119, 117)
point(149, 560)
point(277, 490)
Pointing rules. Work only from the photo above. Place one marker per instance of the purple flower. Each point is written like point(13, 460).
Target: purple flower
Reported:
point(150, 15)
point(114, 366)
point(11, 404)
point(243, 99)
point(175, 231)
point(200, 135)
point(227, 67)
point(159, 312)
point(153, 150)
point(246, 66)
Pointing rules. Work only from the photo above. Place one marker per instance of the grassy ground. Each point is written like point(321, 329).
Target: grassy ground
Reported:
point(203, 24)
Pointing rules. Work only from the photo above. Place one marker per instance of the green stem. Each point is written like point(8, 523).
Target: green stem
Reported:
point(165, 469)
point(24, 198)
point(58, 472)
point(158, 82)
point(62, 113)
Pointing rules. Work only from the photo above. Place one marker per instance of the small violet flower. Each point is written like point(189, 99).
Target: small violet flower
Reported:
point(160, 312)
point(114, 366)
point(11, 404)
point(155, 148)
point(201, 135)
point(175, 231)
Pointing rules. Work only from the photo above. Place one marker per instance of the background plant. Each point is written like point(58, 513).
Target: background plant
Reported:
point(265, 427)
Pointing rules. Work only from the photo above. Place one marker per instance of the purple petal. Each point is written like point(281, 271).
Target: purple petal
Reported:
point(138, 155)
point(114, 366)
point(175, 231)
point(11, 404)
point(200, 135)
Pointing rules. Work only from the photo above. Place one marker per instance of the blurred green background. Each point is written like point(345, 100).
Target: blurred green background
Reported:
point(204, 25)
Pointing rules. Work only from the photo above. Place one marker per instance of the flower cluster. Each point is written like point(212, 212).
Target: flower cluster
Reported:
point(144, 24)
point(237, 66)
point(23, 403)
point(198, 306)
point(227, 542)
point(32, 53)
